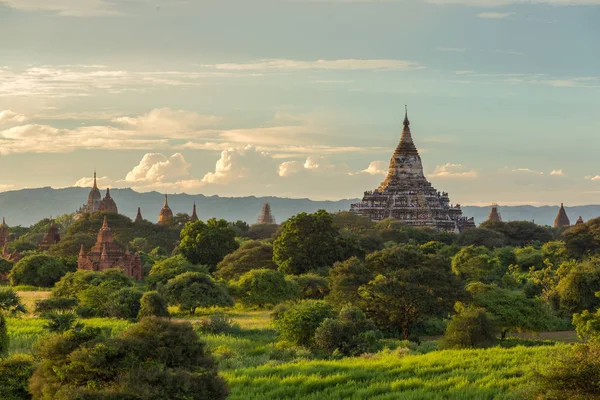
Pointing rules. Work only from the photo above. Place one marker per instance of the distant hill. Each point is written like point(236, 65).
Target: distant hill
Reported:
point(27, 206)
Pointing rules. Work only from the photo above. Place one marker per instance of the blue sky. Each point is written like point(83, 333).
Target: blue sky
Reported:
point(302, 98)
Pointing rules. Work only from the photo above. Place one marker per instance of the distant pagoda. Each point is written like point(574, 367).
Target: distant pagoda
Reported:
point(51, 237)
point(266, 217)
point(194, 216)
point(138, 217)
point(562, 219)
point(407, 196)
point(579, 221)
point(106, 254)
point(165, 217)
point(494, 214)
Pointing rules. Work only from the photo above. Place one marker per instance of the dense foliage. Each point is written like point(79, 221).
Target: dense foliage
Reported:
point(37, 270)
point(207, 243)
point(300, 321)
point(194, 289)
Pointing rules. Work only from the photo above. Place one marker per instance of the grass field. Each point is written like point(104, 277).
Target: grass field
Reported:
point(258, 367)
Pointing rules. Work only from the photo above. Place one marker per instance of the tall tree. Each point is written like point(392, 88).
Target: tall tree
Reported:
point(207, 243)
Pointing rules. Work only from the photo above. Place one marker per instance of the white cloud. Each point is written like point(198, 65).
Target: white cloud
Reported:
point(557, 172)
point(593, 177)
point(5, 187)
point(157, 168)
point(498, 3)
point(241, 163)
point(7, 116)
point(494, 15)
point(167, 122)
point(512, 53)
point(464, 72)
point(449, 170)
point(376, 168)
point(527, 171)
point(88, 181)
point(331, 65)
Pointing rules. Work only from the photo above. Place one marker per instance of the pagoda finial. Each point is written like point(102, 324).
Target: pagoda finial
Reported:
point(3, 221)
point(95, 185)
point(107, 193)
point(166, 201)
point(105, 223)
point(406, 121)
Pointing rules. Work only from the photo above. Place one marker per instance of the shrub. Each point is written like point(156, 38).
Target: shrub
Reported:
point(59, 321)
point(55, 304)
point(154, 359)
point(73, 283)
point(11, 302)
point(14, 377)
point(311, 286)
point(153, 304)
point(207, 243)
point(469, 328)
point(123, 303)
point(344, 280)
point(573, 375)
point(299, 323)
point(37, 270)
point(218, 323)
point(350, 334)
point(251, 255)
point(262, 287)
point(169, 268)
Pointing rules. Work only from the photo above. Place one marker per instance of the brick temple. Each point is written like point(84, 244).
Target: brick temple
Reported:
point(407, 196)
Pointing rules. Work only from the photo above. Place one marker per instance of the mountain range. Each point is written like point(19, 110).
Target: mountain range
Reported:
point(27, 206)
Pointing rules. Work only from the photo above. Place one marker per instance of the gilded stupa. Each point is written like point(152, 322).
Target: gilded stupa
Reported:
point(407, 196)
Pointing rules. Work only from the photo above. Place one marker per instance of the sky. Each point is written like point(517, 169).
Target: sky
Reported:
point(302, 98)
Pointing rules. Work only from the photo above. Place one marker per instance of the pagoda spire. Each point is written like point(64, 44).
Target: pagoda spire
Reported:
point(406, 145)
point(194, 216)
point(81, 251)
point(138, 217)
point(561, 218)
point(166, 205)
point(95, 185)
point(105, 223)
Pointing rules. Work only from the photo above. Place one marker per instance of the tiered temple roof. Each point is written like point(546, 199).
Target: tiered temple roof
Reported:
point(4, 240)
point(407, 196)
point(96, 203)
point(107, 204)
point(166, 215)
point(266, 217)
point(51, 237)
point(494, 214)
point(562, 219)
point(138, 217)
point(107, 254)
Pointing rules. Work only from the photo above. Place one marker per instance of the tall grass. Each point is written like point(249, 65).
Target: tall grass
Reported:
point(453, 374)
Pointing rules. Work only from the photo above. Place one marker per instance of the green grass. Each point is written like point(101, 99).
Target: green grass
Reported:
point(453, 374)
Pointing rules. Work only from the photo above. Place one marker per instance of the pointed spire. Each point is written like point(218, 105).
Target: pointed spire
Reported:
point(166, 205)
point(194, 216)
point(95, 184)
point(406, 121)
point(579, 221)
point(3, 221)
point(81, 251)
point(107, 193)
point(138, 217)
point(561, 218)
point(105, 223)
point(406, 145)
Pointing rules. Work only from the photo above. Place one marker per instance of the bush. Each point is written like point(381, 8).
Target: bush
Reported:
point(73, 283)
point(153, 304)
point(299, 323)
point(37, 270)
point(154, 359)
point(251, 255)
point(59, 321)
point(54, 304)
point(124, 303)
point(169, 268)
point(218, 323)
point(11, 302)
point(573, 375)
point(350, 334)
point(14, 377)
point(311, 286)
point(470, 328)
point(263, 287)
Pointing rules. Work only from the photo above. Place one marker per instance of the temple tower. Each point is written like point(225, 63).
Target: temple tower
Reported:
point(494, 214)
point(194, 216)
point(407, 196)
point(165, 217)
point(579, 221)
point(51, 237)
point(94, 198)
point(107, 204)
point(138, 217)
point(4, 234)
point(266, 217)
point(562, 219)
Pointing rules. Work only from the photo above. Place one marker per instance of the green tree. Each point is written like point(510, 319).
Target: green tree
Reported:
point(477, 263)
point(193, 289)
point(520, 233)
point(469, 328)
point(37, 270)
point(307, 242)
point(14, 377)
point(4, 339)
point(59, 321)
point(207, 243)
point(169, 268)
point(577, 288)
point(155, 359)
point(123, 303)
point(344, 280)
point(139, 244)
point(262, 231)
point(511, 310)
point(529, 257)
point(350, 334)
point(311, 286)
point(583, 239)
point(251, 255)
point(264, 287)
point(482, 237)
point(73, 283)
point(300, 321)
point(152, 304)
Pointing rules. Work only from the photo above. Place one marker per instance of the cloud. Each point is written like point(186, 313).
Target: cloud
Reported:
point(5, 187)
point(452, 171)
point(7, 116)
point(527, 171)
point(494, 15)
point(464, 72)
point(241, 163)
point(557, 172)
point(167, 122)
point(376, 168)
point(88, 181)
point(593, 177)
point(67, 8)
point(512, 53)
point(329, 65)
point(498, 3)
point(156, 168)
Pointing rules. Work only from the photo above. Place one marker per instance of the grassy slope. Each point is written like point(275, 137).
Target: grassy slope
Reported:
point(458, 374)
